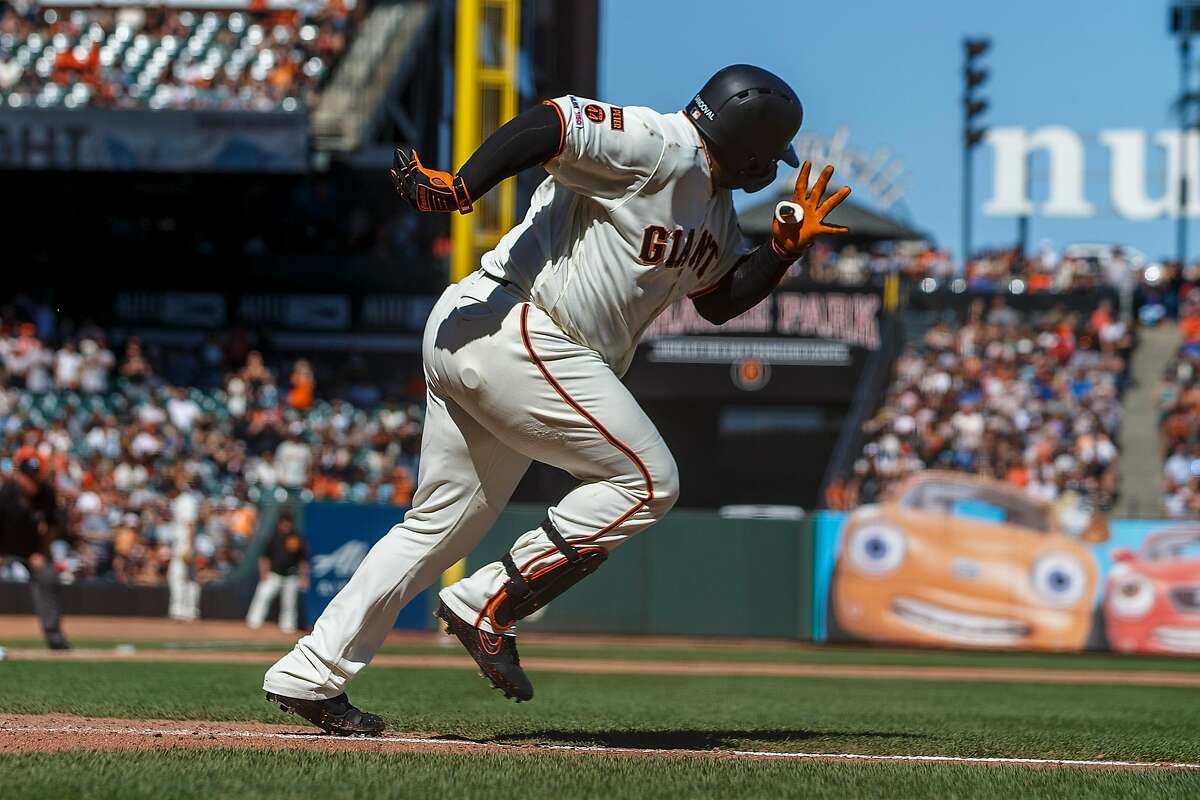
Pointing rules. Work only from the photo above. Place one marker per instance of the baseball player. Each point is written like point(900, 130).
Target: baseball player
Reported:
point(283, 570)
point(523, 360)
point(30, 519)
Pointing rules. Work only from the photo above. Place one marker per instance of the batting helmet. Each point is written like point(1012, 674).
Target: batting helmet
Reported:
point(749, 117)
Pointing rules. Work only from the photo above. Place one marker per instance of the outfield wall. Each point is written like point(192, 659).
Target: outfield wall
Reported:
point(965, 579)
point(693, 573)
point(872, 577)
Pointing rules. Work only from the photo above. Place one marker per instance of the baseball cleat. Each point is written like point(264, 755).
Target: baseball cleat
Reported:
point(496, 655)
point(56, 641)
point(335, 715)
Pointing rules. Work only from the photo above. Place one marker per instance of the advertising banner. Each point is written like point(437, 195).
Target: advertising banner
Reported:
point(153, 141)
point(339, 537)
point(957, 561)
point(807, 343)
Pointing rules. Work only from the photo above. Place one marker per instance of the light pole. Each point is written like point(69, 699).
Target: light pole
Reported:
point(1184, 22)
point(973, 106)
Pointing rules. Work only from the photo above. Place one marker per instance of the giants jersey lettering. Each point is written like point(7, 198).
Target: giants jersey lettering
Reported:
point(627, 223)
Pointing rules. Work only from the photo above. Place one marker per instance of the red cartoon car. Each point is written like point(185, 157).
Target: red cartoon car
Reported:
point(1152, 604)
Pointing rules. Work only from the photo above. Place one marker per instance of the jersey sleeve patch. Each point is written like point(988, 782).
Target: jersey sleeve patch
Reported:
point(576, 113)
point(594, 112)
point(616, 118)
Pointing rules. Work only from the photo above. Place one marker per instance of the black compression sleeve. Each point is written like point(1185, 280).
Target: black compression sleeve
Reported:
point(746, 285)
point(529, 139)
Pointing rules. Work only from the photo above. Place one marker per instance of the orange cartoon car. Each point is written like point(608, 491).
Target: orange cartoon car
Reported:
point(954, 560)
point(1152, 602)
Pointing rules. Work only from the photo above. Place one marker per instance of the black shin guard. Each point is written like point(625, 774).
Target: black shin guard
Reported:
point(524, 595)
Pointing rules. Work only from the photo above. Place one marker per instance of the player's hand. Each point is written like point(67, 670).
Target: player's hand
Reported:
point(428, 189)
point(794, 236)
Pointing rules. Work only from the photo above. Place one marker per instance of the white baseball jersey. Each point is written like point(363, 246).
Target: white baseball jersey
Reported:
point(627, 223)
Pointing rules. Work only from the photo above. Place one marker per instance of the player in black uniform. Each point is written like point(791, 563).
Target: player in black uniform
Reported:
point(282, 570)
point(29, 520)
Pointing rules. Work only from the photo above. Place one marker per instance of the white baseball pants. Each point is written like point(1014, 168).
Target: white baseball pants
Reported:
point(288, 589)
point(183, 592)
point(506, 385)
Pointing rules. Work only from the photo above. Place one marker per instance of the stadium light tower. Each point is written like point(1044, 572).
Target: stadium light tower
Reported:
point(1185, 20)
point(974, 76)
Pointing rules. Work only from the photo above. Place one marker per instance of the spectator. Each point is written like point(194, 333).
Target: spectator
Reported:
point(293, 460)
point(135, 461)
point(67, 366)
point(97, 362)
point(1028, 399)
point(303, 386)
point(402, 486)
point(135, 368)
point(182, 410)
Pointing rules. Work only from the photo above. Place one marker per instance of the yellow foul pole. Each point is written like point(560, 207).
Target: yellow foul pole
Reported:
point(487, 40)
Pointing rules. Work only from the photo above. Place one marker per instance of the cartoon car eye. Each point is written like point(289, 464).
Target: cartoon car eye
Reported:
point(1132, 596)
point(1059, 579)
point(876, 549)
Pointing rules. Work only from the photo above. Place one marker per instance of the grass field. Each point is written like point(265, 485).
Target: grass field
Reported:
point(717, 651)
point(253, 774)
point(658, 712)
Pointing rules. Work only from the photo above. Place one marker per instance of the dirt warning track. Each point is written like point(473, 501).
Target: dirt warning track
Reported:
point(53, 733)
point(604, 666)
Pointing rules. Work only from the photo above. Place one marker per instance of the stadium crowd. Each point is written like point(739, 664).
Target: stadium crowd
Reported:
point(1044, 270)
point(153, 56)
point(1179, 418)
point(146, 470)
point(1033, 400)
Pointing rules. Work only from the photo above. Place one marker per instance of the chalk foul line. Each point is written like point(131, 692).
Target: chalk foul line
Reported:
point(431, 742)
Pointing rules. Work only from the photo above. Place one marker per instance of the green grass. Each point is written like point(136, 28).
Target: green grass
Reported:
point(662, 712)
point(259, 774)
point(680, 712)
point(716, 652)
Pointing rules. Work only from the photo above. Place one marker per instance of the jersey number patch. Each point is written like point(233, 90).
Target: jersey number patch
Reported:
point(677, 249)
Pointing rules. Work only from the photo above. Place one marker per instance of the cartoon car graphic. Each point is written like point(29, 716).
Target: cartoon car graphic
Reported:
point(1152, 601)
point(955, 560)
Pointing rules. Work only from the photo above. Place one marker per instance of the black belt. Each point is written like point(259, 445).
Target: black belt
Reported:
point(505, 282)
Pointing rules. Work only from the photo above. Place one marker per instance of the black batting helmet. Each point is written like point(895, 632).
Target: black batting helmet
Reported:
point(749, 117)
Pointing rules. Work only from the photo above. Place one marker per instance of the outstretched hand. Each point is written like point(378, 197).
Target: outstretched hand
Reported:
point(427, 189)
point(793, 236)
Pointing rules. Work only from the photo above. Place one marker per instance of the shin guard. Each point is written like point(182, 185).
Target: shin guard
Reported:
point(521, 595)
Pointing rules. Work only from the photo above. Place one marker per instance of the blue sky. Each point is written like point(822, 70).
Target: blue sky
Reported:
point(891, 73)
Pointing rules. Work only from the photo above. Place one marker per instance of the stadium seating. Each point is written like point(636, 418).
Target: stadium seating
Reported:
point(1178, 396)
point(1033, 400)
point(155, 57)
point(122, 445)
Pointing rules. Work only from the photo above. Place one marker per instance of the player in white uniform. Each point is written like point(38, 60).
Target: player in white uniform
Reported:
point(523, 360)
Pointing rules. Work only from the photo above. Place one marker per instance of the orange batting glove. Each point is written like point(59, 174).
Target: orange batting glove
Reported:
point(428, 189)
point(791, 236)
